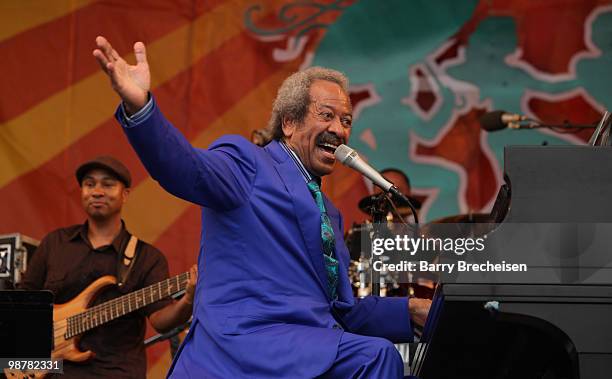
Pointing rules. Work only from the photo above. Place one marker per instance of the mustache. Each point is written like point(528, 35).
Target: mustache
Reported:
point(327, 137)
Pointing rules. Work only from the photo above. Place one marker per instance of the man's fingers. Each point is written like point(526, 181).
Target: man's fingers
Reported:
point(193, 273)
point(101, 58)
point(106, 48)
point(100, 40)
point(105, 53)
point(140, 52)
point(106, 65)
point(419, 309)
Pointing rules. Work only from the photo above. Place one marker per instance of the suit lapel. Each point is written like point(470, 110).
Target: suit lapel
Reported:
point(306, 211)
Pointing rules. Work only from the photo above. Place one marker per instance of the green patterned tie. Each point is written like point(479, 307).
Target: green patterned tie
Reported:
point(328, 239)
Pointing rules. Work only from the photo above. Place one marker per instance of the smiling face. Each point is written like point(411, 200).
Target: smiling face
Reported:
point(326, 125)
point(102, 195)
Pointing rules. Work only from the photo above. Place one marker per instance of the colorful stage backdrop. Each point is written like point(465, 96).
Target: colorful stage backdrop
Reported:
point(422, 73)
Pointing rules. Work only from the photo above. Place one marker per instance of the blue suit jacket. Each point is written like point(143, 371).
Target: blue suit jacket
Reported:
point(261, 308)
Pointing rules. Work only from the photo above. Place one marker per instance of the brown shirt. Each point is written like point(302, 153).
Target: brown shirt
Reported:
point(66, 263)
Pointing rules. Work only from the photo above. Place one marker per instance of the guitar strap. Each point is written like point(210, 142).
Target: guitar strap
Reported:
point(129, 256)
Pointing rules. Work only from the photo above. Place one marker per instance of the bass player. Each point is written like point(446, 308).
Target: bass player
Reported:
point(69, 259)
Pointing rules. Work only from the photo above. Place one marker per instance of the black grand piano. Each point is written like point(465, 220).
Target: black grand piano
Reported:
point(555, 329)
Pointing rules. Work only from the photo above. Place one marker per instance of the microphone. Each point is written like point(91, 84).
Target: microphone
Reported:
point(497, 120)
point(350, 158)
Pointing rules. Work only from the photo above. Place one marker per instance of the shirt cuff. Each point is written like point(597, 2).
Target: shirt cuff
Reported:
point(139, 117)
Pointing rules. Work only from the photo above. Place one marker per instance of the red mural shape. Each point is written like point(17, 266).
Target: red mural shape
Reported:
point(425, 96)
point(538, 28)
point(461, 145)
point(359, 96)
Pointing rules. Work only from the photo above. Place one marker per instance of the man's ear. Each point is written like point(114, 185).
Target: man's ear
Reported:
point(288, 127)
point(126, 192)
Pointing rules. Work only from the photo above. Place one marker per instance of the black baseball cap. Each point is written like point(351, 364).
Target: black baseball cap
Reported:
point(108, 163)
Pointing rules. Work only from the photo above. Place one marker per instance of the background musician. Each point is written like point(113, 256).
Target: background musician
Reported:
point(69, 259)
point(402, 182)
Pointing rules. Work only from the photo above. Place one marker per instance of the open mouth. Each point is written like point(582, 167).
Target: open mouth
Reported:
point(328, 147)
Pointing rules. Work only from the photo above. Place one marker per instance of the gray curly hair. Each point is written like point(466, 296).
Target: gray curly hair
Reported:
point(293, 97)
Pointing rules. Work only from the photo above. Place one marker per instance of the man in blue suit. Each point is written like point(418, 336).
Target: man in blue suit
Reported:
point(273, 297)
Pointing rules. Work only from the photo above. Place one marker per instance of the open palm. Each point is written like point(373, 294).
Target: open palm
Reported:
point(131, 82)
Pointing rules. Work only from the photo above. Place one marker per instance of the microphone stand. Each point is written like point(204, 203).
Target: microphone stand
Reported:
point(532, 124)
point(379, 212)
point(565, 126)
point(380, 209)
point(600, 137)
point(394, 191)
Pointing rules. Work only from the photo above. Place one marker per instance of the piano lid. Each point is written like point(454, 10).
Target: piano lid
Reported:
point(557, 184)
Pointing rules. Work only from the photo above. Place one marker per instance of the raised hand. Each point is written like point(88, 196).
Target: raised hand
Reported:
point(131, 82)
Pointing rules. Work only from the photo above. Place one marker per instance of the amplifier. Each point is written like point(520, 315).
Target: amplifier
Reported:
point(15, 252)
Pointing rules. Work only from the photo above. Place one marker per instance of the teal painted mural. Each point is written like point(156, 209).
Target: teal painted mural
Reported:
point(426, 70)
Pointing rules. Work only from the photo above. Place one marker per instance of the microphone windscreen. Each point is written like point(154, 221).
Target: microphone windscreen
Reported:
point(342, 153)
point(492, 121)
